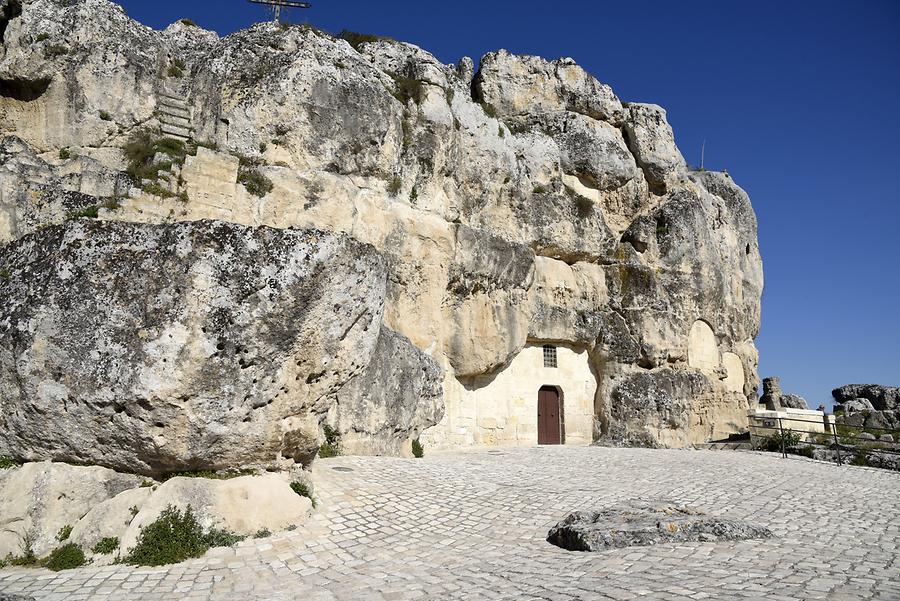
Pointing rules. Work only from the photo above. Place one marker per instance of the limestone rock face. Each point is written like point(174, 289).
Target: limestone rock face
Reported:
point(882, 398)
point(203, 344)
point(518, 201)
point(868, 406)
point(37, 500)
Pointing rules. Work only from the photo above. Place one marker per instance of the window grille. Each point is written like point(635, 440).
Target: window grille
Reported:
point(549, 356)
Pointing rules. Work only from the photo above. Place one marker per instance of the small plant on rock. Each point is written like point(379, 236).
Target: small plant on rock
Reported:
point(394, 186)
point(7, 463)
point(106, 545)
point(255, 182)
point(66, 557)
point(302, 489)
point(262, 533)
point(356, 39)
point(64, 533)
point(65, 154)
point(54, 51)
point(188, 22)
point(174, 537)
point(105, 116)
point(88, 212)
point(407, 88)
point(418, 450)
point(332, 446)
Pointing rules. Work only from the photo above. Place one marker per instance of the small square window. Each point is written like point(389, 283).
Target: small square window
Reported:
point(549, 356)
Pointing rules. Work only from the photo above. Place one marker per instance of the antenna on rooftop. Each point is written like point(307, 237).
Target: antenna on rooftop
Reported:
point(277, 5)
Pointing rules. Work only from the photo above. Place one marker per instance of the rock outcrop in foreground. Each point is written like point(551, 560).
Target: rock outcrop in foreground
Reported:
point(868, 405)
point(204, 344)
point(643, 523)
point(471, 214)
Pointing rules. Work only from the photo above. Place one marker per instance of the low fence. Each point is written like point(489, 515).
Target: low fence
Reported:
point(802, 435)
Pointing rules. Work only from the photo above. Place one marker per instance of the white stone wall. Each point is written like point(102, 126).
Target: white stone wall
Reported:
point(502, 409)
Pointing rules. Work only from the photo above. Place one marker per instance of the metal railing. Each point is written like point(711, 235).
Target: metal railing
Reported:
point(844, 444)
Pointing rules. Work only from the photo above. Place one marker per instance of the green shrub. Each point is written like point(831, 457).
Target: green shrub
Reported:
point(418, 450)
point(407, 88)
point(106, 545)
point(42, 36)
point(66, 557)
point(143, 147)
point(208, 474)
point(394, 185)
point(263, 147)
point(539, 189)
point(356, 39)
point(501, 132)
point(88, 212)
point(302, 489)
point(281, 131)
point(65, 154)
point(773, 443)
point(175, 537)
point(860, 458)
point(449, 94)
point(105, 116)
point(175, 72)
point(255, 182)
point(188, 22)
point(332, 446)
point(7, 463)
point(262, 533)
point(489, 110)
point(64, 533)
point(4, 275)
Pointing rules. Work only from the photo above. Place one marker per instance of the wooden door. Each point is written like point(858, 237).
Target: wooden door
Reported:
point(548, 416)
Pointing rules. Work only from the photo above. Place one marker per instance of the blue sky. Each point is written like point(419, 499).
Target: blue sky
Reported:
point(799, 100)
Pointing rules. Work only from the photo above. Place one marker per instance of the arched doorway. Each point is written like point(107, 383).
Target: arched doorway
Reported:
point(549, 416)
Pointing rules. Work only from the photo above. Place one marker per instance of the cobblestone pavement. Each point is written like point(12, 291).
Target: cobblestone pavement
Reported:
point(472, 526)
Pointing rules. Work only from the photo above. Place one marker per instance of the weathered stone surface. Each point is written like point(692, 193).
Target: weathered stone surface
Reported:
point(646, 523)
point(883, 398)
point(398, 395)
point(794, 401)
point(38, 499)
point(159, 348)
point(242, 505)
point(110, 518)
point(388, 145)
point(856, 405)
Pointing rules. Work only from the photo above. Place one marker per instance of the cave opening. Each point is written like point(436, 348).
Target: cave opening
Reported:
point(25, 90)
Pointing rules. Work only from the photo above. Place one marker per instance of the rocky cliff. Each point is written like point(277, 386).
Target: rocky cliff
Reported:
point(459, 213)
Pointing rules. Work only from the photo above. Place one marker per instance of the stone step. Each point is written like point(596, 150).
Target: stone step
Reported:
point(172, 99)
point(176, 131)
point(174, 111)
point(174, 119)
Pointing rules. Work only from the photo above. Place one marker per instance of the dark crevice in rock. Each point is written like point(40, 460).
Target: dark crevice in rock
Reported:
point(24, 90)
point(9, 10)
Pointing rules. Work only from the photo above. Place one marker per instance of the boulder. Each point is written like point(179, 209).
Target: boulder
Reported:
point(643, 523)
point(793, 401)
point(399, 392)
point(865, 436)
point(242, 506)
point(886, 438)
point(110, 518)
point(38, 499)
point(883, 398)
point(159, 348)
point(857, 405)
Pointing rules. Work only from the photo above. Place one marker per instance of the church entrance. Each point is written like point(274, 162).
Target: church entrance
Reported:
point(549, 431)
